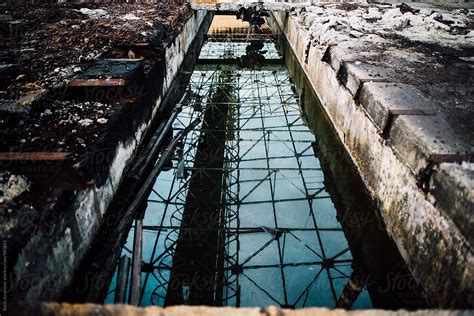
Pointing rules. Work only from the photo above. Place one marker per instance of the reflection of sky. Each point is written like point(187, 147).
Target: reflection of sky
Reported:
point(228, 49)
point(279, 184)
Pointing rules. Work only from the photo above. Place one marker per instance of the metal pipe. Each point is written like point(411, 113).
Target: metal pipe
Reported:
point(122, 280)
point(135, 283)
point(139, 199)
point(150, 180)
point(156, 141)
point(351, 292)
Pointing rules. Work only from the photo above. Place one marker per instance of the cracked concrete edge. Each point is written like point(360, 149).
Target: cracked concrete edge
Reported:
point(411, 121)
point(421, 140)
point(428, 239)
point(451, 186)
point(57, 309)
point(392, 105)
point(383, 100)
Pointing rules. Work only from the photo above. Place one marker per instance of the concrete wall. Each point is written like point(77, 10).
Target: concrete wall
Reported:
point(432, 245)
point(48, 261)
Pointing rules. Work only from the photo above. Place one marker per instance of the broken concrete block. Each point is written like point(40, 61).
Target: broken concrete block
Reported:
point(419, 140)
point(384, 100)
point(130, 70)
point(352, 74)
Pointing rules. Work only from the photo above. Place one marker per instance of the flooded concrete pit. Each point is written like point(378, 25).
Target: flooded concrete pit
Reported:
point(249, 215)
point(248, 185)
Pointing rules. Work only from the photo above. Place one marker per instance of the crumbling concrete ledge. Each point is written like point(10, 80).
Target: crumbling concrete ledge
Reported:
point(46, 264)
point(386, 93)
point(54, 309)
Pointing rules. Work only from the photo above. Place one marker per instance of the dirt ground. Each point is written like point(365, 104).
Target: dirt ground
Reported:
point(42, 38)
point(42, 48)
point(47, 45)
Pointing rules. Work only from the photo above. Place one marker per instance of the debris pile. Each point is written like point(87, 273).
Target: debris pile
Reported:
point(58, 125)
point(334, 23)
point(47, 44)
point(44, 49)
point(428, 47)
point(11, 186)
point(13, 189)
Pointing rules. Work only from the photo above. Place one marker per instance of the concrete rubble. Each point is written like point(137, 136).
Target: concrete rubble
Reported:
point(12, 186)
point(50, 44)
point(336, 24)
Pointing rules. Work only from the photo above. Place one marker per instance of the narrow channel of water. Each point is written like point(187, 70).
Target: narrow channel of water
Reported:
point(261, 205)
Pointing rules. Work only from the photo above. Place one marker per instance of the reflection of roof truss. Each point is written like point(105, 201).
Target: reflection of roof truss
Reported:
point(267, 150)
point(239, 35)
point(234, 65)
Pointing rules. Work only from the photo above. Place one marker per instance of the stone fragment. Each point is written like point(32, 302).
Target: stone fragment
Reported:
point(382, 100)
point(86, 122)
point(12, 186)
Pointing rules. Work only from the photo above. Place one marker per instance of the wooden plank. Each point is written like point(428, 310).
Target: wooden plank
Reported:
point(53, 169)
point(34, 156)
point(98, 83)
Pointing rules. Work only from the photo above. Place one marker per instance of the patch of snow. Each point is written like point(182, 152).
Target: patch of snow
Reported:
point(129, 17)
point(86, 122)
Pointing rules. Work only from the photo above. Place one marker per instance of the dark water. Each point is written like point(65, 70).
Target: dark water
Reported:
point(262, 205)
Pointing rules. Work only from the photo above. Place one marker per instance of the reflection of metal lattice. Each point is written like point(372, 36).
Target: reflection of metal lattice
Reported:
point(280, 238)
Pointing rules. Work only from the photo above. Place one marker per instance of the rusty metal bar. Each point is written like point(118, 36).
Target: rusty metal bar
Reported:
point(148, 184)
point(135, 282)
point(34, 156)
point(156, 142)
